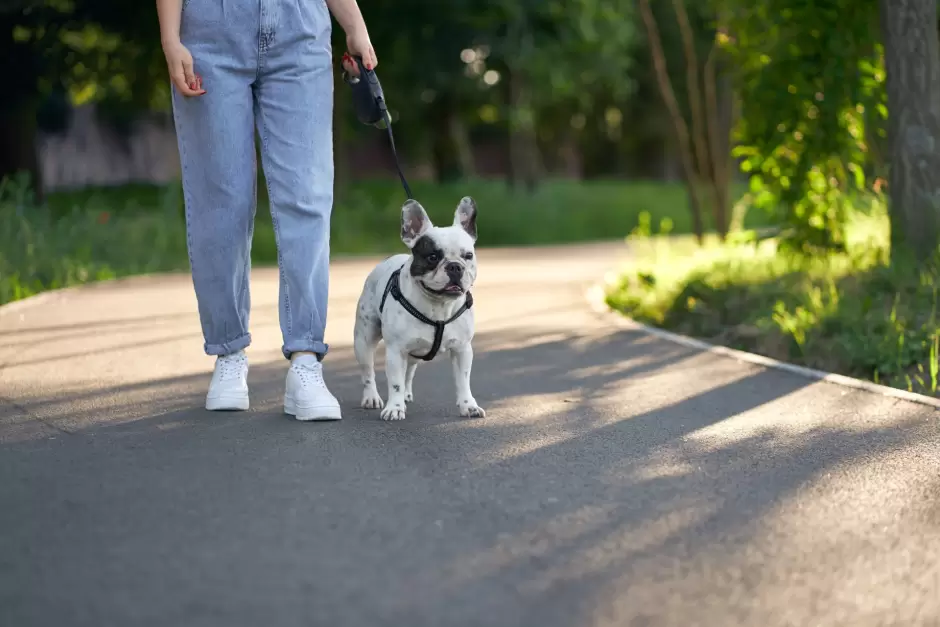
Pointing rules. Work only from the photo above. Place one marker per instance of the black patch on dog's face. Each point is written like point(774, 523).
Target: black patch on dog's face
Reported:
point(427, 256)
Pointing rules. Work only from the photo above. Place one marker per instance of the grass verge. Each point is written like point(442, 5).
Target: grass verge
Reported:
point(43, 249)
point(849, 313)
point(102, 233)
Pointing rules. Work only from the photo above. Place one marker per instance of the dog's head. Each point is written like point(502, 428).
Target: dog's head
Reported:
point(443, 261)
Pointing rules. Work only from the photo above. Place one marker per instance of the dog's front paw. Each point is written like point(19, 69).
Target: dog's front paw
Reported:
point(409, 395)
point(371, 400)
point(470, 409)
point(394, 411)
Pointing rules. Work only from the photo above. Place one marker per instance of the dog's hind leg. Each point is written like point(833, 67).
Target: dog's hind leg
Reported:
point(409, 380)
point(366, 341)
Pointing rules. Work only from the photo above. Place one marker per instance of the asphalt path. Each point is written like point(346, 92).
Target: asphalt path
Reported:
point(618, 480)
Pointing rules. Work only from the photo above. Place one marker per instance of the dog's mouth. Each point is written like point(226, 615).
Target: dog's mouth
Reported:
point(451, 289)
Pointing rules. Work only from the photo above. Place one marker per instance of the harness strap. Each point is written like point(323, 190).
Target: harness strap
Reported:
point(393, 287)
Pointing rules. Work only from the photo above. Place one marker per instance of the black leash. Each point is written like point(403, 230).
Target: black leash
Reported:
point(369, 102)
point(391, 141)
point(393, 287)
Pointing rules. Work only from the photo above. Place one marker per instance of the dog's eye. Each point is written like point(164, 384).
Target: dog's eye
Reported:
point(433, 258)
point(468, 256)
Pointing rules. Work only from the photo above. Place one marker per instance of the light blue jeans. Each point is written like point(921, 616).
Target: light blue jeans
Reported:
point(265, 64)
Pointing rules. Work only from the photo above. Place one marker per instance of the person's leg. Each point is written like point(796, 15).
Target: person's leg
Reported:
point(294, 98)
point(215, 133)
point(294, 113)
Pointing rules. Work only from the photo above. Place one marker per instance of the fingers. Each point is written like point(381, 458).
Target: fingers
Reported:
point(369, 59)
point(179, 81)
point(350, 65)
point(193, 81)
point(186, 81)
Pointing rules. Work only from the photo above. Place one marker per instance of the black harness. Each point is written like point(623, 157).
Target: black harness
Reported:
point(393, 287)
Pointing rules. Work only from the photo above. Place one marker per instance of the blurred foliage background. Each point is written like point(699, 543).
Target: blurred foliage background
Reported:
point(795, 142)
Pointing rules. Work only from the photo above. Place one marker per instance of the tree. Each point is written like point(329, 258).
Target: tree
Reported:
point(703, 148)
point(552, 56)
point(912, 60)
point(520, 71)
point(18, 105)
point(419, 47)
point(93, 50)
point(810, 80)
point(498, 65)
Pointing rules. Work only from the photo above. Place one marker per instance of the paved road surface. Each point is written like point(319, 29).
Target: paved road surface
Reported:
point(618, 480)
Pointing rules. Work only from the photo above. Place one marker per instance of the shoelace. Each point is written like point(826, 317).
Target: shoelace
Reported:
point(231, 366)
point(305, 370)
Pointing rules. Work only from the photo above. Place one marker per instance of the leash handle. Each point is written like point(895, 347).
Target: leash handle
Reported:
point(369, 101)
point(370, 77)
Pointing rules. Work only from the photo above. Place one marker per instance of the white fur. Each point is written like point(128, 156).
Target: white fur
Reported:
point(404, 335)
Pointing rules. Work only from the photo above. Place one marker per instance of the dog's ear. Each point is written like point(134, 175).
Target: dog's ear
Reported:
point(466, 216)
point(414, 222)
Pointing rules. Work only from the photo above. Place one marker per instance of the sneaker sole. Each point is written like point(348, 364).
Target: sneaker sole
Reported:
point(310, 414)
point(227, 403)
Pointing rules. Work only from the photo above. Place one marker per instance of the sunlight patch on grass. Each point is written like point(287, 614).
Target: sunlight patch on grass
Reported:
point(847, 312)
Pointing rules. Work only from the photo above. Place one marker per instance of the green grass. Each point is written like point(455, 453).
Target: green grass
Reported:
point(43, 249)
point(849, 313)
point(102, 233)
point(366, 219)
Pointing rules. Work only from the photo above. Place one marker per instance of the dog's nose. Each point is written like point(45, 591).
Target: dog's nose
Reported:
point(454, 270)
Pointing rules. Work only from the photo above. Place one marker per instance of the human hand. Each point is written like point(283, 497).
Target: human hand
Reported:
point(358, 44)
point(180, 64)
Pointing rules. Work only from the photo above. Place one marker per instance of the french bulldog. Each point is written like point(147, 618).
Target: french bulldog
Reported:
point(421, 306)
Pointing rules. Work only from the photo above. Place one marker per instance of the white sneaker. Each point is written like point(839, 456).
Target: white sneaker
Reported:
point(228, 389)
point(306, 396)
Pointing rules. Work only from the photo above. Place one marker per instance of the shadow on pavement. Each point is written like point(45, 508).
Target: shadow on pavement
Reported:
point(508, 365)
point(618, 480)
point(59, 331)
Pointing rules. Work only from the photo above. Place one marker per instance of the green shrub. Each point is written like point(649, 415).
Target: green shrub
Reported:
point(846, 312)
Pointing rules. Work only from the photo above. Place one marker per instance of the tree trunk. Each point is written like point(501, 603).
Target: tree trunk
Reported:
point(569, 154)
point(524, 159)
point(693, 189)
point(450, 143)
point(909, 29)
point(18, 150)
point(718, 112)
point(683, 137)
point(21, 65)
point(462, 145)
point(730, 114)
point(702, 118)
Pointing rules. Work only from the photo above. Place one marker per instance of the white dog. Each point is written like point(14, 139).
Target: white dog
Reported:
point(421, 305)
